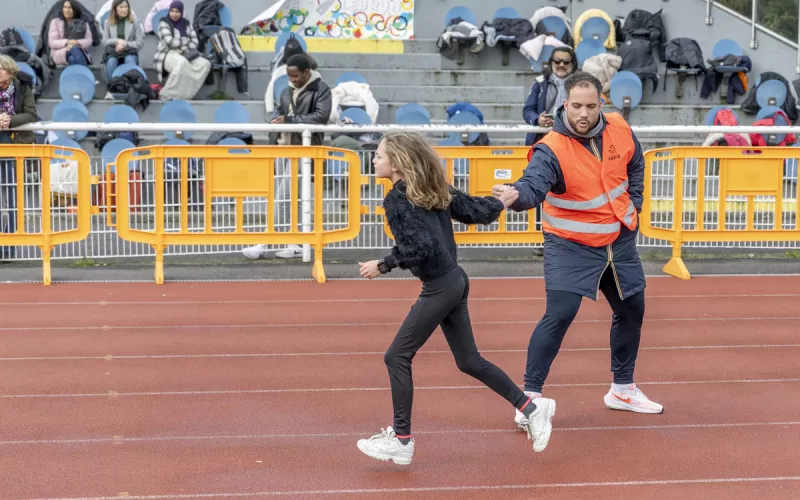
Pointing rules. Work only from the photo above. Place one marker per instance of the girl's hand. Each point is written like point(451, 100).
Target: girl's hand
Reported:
point(509, 196)
point(369, 269)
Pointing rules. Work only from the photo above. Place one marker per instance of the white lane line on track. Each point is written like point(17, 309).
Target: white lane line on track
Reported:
point(112, 357)
point(353, 325)
point(328, 435)
point(435, 489)
point(111, 393)
point(357, 300)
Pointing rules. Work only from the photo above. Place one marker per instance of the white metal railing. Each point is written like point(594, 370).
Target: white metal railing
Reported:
point(103, 241)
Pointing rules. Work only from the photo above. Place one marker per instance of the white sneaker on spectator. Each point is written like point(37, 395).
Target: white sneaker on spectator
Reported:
point(520, 419)
point(631, 399)
point(385, 446)
point(290, 252)
point(254, 252)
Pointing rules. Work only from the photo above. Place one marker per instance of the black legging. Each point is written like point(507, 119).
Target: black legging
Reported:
point(626, 331)
point(443, 301)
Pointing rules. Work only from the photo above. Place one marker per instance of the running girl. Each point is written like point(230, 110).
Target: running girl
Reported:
point(419, 210)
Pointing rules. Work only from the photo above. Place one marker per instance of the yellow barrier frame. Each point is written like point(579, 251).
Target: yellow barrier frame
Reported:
point(238, 172)
point(488, 166)
point(747, 172)
point(47, 239)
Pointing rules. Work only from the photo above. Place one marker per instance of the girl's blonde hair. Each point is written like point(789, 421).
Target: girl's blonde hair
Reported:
point(9, 64)
point(426, 183)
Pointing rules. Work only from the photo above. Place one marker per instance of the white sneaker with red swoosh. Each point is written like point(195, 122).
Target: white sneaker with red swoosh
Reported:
point(632, 399)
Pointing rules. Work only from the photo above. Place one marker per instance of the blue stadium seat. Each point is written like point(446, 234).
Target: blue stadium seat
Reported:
point(544, 57)
point(726, 47)
point(412, 107)
point(351, 76)
point(464, 118)
point(231, 112)
point(465, 13)
point(554, 26)
point(507, 13)
point(357, 115)
point(71, 112)
point(27, 39)
point(121, 113)
point(161, 14)
point(450, 142)
point(281, 41)
point(26, 68)
point(626, 91)
point(66, 142)
point(771, 93)
point(77, 82)
point(589, 48)
point(767, 111)
point(112, 149)
point(281, 83)
point(226, 17)
point(595, 28)
point(178, 112)
point(124, 68)
point(231, 141)
point(712, 114)
point(413, 118)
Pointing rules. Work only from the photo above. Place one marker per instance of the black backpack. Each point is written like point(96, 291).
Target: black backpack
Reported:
point(10, 37)
point(642, 24)
point(105, 137)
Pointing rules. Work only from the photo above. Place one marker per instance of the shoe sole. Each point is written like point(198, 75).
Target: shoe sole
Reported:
point(619, 405)
point(551, 412)
point(384, 458)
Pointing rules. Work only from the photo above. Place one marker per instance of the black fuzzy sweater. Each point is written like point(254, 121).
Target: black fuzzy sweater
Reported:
point(425, 244)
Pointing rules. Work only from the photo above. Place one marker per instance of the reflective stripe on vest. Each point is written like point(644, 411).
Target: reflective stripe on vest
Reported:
point(580, 227)
point(628, 220)
point(591, 204)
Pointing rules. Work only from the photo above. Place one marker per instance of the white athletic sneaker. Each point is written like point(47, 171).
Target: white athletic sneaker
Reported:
point(385, 446)
point(519, 418)
point(540, 425)
point(632, 399)
point(254, 252)
point(291, 252)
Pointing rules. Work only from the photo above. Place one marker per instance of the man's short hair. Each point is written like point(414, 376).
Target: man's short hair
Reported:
point(582, 79)
point(299, 61)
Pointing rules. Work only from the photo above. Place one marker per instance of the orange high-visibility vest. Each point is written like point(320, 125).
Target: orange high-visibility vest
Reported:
point(596, 199)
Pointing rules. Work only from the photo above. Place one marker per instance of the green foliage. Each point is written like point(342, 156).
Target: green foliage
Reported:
point(778, 15)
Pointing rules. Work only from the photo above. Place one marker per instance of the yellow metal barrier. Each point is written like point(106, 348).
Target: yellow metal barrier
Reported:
point(241, 174)
point(694, 194)
point(34, 202)
point(475, 170)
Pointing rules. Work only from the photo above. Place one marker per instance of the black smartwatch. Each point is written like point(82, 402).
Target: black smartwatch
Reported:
point(383, 267)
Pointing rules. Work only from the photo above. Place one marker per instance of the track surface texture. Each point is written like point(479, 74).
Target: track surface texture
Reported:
point(260, 390)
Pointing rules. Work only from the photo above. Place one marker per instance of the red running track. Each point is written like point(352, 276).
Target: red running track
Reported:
point(260, 390)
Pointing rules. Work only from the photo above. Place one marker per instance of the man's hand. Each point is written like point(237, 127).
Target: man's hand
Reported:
point(369, 269)
point(509, 196)
point(499, 189)
point(279, 120)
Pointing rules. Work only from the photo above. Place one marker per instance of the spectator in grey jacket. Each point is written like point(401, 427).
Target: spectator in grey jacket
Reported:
point(124, 36)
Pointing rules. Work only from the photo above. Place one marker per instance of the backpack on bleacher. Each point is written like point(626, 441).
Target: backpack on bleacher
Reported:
point(642, 24)
point(10, 38)
point(227, 49)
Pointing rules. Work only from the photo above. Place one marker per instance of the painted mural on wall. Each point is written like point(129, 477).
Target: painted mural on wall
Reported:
point(363, 19)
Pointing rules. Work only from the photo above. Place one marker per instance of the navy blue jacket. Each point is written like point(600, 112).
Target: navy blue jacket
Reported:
point(535, 106)
point(570, 266)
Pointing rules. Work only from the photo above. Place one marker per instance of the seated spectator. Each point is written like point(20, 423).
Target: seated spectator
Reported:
point(547, 94)
point(178, 56)
point(69, 37)
point(17, 108)
point(307, 99)
point(124, 36)
point(278, 69)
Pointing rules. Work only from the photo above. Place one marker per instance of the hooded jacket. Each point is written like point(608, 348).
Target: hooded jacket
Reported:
point(570, 266)
point(312, 105)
